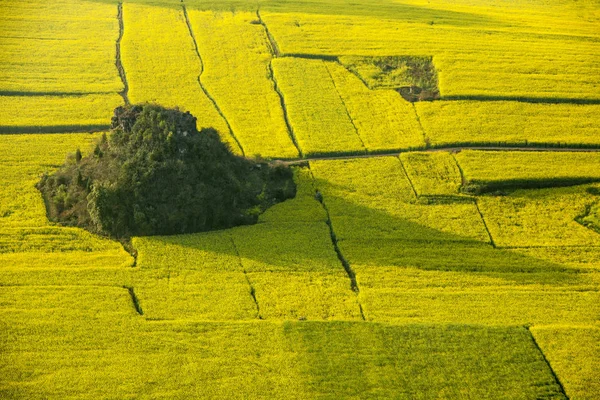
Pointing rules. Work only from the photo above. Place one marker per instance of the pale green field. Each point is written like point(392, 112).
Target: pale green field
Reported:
point(413, 274)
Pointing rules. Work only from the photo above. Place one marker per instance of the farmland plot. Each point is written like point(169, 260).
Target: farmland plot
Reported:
point(237, 56)
point(432, 174)
point(282, 268)
point(489, 170)
point(449, 123)
point(274, 359)
point(63, 46)
point(383, 120)
point(319, 119)
point(374, 220)
point(162, 65)
point(30, 246)
point(574, 353)
point(543, 217)
point(480, 51)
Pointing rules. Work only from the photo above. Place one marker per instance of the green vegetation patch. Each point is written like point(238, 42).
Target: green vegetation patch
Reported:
point(415, 77)
point(157, 174)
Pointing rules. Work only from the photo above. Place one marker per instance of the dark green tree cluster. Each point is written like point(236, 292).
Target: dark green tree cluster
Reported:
point(157, 174)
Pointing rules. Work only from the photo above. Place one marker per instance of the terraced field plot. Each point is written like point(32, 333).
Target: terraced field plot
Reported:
point(400, 270)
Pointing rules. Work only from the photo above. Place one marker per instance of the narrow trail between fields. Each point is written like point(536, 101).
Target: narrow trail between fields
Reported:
point(125, 92)
point(334, 241)
point(251, 286)
point(274, 49)
point(206, 93)
point(452, 149)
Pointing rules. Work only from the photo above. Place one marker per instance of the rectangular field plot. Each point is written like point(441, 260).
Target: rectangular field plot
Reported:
point(539, 217)
point(383, 119)
point(64, 46)
point(382, 204)
point(162, 66)
point(574, 355)
point(432, 174)
point(319, 118)
point(488, 306)
point(237, 73)
point(296, 360)
point(57, 114)
point(480, 51)
point(449, 123)
point(489, 170)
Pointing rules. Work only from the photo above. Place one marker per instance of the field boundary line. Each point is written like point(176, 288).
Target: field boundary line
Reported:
point(125, 92)
point(335, 242)
point(454, 149)
point(286, 117)
point(485, 225)
point(345, 107)
point(252, 289)
point(134, 300)
point(521, 99)
point(272, 42)
point(426, 140)
point(274, 49)
point(201, 61)
point(535, 343)
point(412, 186)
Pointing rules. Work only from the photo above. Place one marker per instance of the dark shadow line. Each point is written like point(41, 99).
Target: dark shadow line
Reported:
point(271, 39)
point(252, 289)
point(520, 99)
point(14, 93)
point(560, 385)
point(54, 129)
point(134, 299)
point(334, 241)
point(125, 92)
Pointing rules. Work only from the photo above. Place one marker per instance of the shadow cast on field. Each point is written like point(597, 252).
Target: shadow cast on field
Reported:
point(375, 239)
point(385, 9)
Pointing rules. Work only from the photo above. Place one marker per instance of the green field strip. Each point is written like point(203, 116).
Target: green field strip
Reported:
point(277, 360)
point(539, 217)
point(574, 355)
point(486, 171)
point(432, 173)
point(486, 306)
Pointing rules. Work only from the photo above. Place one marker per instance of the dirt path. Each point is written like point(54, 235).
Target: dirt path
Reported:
point(453, 149)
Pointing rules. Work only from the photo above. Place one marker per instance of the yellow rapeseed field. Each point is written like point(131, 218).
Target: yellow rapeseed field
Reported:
point(317, 113)
point(162, 66)
point(383, 119)
point(236, 55)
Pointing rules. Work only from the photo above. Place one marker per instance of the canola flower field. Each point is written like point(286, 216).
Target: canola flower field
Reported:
point(444, 249)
